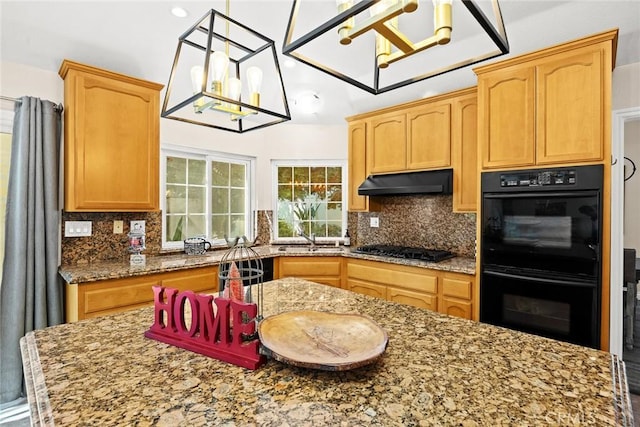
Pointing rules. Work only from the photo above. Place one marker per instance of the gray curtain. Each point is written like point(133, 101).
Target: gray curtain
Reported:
point(32, 292)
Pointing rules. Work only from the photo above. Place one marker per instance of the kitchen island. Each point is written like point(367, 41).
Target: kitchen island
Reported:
point(437, 370)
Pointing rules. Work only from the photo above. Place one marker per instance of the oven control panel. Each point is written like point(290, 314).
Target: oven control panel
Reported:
point(535, 179)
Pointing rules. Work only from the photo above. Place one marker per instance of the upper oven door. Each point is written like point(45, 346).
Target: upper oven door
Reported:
point(551, 231)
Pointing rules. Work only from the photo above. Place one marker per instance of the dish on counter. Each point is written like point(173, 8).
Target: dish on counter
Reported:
point(321, 340)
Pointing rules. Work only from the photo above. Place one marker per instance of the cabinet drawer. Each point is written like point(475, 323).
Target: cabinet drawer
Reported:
point(118, 293)
point(309, 266)
point(456, 287)
point(199, 282)
point(115, 295)
point(416, 279)
point(415, 299)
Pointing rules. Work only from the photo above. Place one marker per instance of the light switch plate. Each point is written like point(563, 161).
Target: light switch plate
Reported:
point(118, 227)
point(77, 228)
point(137, 227)
point(374, 222)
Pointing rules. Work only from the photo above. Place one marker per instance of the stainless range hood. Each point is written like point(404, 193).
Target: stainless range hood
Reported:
point(408, 183)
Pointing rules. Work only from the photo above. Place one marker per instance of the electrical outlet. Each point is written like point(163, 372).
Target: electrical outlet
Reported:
point(137, 227)
point(374, 222)
point(118, 227)
point(77, 228)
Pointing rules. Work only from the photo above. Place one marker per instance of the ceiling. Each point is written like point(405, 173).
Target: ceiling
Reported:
point(139, 38)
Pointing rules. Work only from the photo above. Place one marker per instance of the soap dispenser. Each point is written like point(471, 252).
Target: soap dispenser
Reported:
point(347, 238)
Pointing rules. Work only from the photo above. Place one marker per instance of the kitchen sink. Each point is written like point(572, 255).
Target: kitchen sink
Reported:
point(315, 249)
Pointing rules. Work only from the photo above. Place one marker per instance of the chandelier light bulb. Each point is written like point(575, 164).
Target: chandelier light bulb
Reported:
point(219, 65)
point(234, 88)
point(254, 81)
point(197, 77)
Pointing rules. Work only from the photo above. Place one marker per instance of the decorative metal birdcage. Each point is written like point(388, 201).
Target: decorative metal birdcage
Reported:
point(241, 273)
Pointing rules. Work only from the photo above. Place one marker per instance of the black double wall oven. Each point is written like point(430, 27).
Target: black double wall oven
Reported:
point(541, 237)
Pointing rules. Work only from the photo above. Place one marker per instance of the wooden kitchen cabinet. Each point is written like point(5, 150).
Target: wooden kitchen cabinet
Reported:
point(569, 90)
point(432, 133)
point(548, 107)
point(319, 269)
point(93, 299)
point(386, 143)
point(416, 299)
point(464, 145)
point(111, 141)
point(429, 136)
point(457, 294)
point(367, 288)
point(357, 165)
point(506, 119)
point(443, 291)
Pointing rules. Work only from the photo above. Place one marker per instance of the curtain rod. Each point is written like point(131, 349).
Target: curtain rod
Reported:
point(57, 107)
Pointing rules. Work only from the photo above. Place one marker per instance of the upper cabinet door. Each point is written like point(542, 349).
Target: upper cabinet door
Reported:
point(429, 136)
point(570, 107)
point(464, 142)
point(506, 119)
point(386, 143)
point(357, 165)
point(111, 141)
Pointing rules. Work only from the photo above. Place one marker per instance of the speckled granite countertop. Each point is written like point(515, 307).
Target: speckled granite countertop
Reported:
point(117, 269)
point(437, 370)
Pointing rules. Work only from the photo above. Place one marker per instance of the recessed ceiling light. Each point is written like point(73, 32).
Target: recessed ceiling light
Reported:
point(289, 63)
point(179, 12)
point(308, 102)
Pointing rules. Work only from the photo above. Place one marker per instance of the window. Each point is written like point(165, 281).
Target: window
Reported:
point(206, 194)
point(309, 197)
point(6, 124)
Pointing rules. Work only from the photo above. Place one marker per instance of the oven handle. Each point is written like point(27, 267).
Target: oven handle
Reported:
point(533, 193)
point(539, 279)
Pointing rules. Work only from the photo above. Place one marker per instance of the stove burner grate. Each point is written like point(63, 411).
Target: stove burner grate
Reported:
point(406, 252)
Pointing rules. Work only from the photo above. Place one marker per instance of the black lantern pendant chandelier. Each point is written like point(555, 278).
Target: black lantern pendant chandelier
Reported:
point(225, 76)
point(370, 43)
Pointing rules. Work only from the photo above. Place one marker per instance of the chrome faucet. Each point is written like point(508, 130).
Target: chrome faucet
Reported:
point(311, 239)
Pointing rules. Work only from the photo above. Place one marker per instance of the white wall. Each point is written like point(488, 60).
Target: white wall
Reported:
point(18, 80)
point(626, 87)
point(626, 94)
point(282, 141)
point(632, 186)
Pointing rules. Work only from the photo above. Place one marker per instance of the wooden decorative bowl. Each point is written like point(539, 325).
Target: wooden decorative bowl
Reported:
point(320, 340)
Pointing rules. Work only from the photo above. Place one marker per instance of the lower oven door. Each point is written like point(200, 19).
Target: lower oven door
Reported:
point(560, 309)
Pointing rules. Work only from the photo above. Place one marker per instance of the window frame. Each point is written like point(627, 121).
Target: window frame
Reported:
point(275, 163)
point(170, 150)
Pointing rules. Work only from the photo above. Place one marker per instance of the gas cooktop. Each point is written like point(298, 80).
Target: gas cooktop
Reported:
point(431, 255)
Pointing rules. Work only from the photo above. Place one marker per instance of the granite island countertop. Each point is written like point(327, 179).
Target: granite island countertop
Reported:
point(83, 273)
point(437, 370)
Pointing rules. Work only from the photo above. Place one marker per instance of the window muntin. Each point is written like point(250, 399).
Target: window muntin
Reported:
point(311, 196)
point(206, 194)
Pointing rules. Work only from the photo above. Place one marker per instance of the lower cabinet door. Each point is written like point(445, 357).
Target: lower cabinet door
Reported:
point(416, 299)
point(457, 308)
point(366, 288)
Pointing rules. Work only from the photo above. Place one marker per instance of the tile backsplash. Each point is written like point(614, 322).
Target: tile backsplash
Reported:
point(417, 221)
point(103, 244)
point(420, 221)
